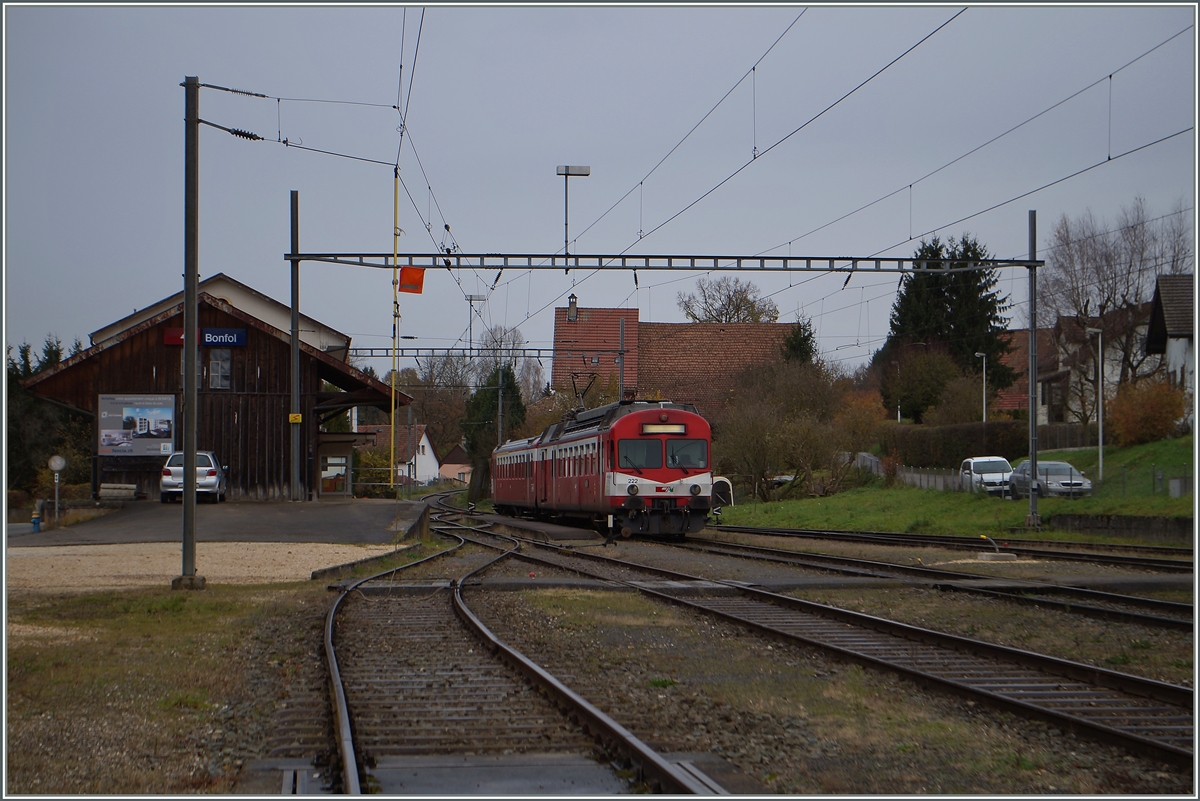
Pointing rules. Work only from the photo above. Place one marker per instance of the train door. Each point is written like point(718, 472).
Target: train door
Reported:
point(542, 477)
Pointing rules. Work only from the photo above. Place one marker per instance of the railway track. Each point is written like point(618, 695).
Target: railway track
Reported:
point(1150, 612)
point(425, 680)
point(1145, 716)
point(1177, 560)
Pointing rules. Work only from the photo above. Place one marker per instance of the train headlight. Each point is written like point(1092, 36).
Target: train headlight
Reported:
point(695, 489)
point(633, 489)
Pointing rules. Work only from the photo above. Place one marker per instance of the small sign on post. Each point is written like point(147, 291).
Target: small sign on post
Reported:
point(57, 463)
point(295, 418)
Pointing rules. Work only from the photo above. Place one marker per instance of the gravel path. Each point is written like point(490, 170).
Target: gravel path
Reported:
point(84, 568)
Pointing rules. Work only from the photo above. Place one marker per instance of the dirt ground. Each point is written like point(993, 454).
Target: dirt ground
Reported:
point(86, 568)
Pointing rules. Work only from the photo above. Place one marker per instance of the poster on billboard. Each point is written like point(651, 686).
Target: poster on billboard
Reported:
point(136, 425)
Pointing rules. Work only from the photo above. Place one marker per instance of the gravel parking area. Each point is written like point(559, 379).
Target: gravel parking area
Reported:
point(84, 568)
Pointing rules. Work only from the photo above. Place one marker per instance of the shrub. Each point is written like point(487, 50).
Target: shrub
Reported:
point(1144, 412)
point(371, 473)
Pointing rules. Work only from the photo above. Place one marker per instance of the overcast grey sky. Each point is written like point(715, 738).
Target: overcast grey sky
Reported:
point(500, 96)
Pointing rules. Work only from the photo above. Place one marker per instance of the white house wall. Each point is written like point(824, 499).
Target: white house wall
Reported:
point(1181, 362)
point(426, 463)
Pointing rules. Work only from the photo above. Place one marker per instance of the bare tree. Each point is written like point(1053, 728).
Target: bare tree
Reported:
point(502, 345)
point(1104, 278)
point(727, 300)
point(440, 391)
point(786, 419)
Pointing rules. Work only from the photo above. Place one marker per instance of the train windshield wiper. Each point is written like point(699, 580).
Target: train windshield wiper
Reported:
point(631, 464)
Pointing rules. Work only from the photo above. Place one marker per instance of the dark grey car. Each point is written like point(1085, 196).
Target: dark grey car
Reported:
point(1053, 479)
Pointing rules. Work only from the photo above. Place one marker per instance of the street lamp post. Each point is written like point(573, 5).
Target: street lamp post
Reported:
point(566, 171)
point(1100, 397)
point(897, 391)
point(984, 357)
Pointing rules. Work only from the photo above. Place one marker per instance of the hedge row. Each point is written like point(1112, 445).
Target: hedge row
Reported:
point(947, 446)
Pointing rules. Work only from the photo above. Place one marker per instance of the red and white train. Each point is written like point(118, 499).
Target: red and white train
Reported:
point(633, 467)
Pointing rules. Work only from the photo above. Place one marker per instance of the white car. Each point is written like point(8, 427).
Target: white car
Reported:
point(988, 474)
point(210, 477)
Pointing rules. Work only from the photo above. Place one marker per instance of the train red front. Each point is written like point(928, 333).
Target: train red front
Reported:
point(647, 464)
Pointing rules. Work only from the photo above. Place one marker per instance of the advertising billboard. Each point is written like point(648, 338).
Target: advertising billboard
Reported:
point(136, 425)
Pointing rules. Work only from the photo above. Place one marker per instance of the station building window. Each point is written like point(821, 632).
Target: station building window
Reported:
point(220, 368)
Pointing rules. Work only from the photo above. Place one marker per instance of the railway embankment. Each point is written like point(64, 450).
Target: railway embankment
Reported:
point(1170, 530)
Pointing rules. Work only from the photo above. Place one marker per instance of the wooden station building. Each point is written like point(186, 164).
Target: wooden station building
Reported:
point(130, 381)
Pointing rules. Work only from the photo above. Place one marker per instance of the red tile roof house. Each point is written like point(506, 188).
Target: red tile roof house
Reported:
point(1016, 396)
point(456, 467)
point(696, 363)
point(1066, 362)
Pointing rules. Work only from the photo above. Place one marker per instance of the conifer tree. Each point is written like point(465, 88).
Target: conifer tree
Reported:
point(959, 308)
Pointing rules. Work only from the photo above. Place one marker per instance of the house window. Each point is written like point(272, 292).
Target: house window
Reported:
point(219, 360)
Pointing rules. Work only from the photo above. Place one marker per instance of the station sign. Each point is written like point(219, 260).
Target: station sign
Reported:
point(209, 337)
point(136, 425)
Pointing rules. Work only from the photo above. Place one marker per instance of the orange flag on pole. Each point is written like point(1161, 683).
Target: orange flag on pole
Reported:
point(412, 279)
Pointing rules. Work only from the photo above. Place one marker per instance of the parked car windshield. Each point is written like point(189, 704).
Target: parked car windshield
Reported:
point(991, 466)
point(202, 460)
point(1057, 469)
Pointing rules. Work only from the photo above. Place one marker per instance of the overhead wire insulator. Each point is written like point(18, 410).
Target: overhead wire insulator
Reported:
point(244, 134)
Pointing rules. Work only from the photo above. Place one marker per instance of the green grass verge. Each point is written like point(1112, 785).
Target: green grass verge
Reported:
point(1125, 491)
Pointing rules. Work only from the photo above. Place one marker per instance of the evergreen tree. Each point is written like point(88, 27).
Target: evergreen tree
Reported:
point(480, 417)
point(800, 345)
point(36, 429)
point(960, 308)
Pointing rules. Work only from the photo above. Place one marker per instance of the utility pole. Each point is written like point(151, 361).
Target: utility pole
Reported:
point(566, 171)
point(471, 301)
point(1033, 520)
point(295, 418)
point(621, 358)
point(188, 580)
point(1100, 394)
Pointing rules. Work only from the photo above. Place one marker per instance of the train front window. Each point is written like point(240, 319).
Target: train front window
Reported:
point(639, 454)
point(690, 454)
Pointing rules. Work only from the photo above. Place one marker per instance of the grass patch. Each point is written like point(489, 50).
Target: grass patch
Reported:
point(912, 510)
point(1154, 653)
point(186, 700)
point(142, 675)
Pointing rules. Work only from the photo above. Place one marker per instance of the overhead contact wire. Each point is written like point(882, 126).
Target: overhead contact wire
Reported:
point(697, 125)
point(817, 116)
point(974, 150)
